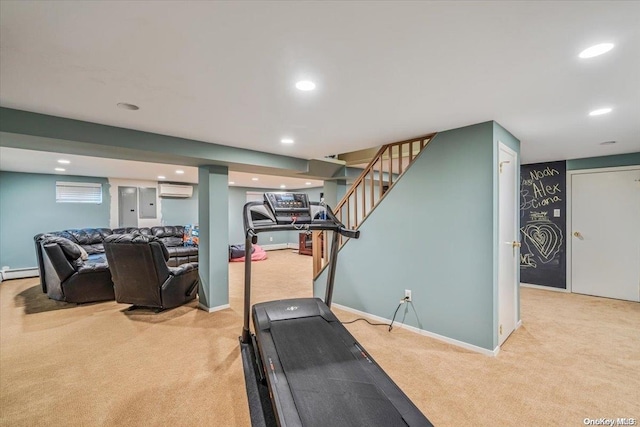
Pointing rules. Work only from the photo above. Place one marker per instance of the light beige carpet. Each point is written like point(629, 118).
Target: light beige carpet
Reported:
point(575, 357)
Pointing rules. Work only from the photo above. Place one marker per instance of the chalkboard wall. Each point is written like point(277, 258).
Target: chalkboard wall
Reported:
point(542, 224)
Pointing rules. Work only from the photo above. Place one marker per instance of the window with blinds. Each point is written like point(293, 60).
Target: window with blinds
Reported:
point(78, 192)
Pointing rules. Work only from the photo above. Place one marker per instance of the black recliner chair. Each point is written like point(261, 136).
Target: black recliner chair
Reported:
point(141, 276)
point(65, 276)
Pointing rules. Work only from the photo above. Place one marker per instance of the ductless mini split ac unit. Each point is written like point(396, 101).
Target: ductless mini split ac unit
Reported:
point(175, 190)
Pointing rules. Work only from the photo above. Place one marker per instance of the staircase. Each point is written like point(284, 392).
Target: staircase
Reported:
point(368, 190)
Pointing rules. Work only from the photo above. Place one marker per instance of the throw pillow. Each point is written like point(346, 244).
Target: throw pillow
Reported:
point(70, 249)
point(83, 254)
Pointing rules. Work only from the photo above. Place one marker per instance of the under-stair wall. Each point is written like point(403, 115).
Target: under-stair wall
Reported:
point(434, 233)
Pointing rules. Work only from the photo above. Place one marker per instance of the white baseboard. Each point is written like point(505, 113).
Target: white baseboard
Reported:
point(448, 340)
point(544, 288)
point(19, 273)
point(278, 246)
point(274, 247)
point(212, 309)
point(518, 324)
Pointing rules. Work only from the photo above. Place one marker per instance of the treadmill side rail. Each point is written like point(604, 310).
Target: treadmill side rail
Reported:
point(260, 409)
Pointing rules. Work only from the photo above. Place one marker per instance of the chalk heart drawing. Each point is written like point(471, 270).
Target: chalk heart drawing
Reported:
point(546, 238)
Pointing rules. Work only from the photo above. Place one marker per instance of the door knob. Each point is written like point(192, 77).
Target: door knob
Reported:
point(516, 244)
point(578, 235)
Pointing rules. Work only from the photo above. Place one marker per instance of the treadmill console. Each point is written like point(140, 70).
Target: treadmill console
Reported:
point(288, 208)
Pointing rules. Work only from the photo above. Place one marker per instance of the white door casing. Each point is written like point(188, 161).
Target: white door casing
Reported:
point(605, 233)
point(508, 236)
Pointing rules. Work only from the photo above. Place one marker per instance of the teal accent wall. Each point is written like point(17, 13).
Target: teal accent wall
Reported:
point(313, 193)
point(330, 191)
point(28, 207)
point(342, 189)
point(629, 159)
point(433, 234)
point(180, 211)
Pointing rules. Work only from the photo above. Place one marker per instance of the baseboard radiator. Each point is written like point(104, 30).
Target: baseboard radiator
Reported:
point(18, 273)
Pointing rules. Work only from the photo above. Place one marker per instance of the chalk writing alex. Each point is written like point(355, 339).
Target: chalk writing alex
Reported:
point(545, 190)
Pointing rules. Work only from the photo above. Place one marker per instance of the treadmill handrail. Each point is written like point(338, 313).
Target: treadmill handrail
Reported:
point(330, 224)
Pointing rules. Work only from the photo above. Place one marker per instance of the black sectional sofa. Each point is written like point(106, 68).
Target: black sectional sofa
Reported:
point(73, 266)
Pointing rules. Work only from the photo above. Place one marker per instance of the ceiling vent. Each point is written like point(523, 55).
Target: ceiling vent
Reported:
point(175, 190)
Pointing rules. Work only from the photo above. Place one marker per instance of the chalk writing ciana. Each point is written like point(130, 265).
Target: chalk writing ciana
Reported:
point(548, 171)
point(546, 202)
point(527, 201)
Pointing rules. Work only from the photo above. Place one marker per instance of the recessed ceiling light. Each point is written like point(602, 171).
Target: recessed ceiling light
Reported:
point(162, 177)
point(254, 179)
point(600, 111)
point(305, 85)
point(126, 106)
point(286, 141)
point(64, 162)
point(231, 182)
point(283, 186)
point(307, 183)
point(60, 169)
point(608, 143)
point(596, 50)
point(179, 171)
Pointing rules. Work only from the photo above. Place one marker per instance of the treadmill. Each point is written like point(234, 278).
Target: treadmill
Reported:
point(302, 367)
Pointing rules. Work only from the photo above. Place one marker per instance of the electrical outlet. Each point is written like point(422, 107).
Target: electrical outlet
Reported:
point(271, 239)
point(407, 294)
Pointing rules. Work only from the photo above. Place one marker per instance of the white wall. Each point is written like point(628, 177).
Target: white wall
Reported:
point(113, 191)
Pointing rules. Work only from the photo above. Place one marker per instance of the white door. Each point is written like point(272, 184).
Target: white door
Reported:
point(127, 206)
point(509, 247)
point(605, 228)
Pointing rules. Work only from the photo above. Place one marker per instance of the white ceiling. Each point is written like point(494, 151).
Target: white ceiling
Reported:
point(18, 160)
point(224, 72)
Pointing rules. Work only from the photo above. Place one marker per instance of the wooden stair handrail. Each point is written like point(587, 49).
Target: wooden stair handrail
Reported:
point(370, 169)
point(375, 159)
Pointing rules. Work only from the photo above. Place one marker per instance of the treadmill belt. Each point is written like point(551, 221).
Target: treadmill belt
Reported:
point(328, 385)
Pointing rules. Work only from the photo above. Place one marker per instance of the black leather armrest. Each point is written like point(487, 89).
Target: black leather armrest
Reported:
point(182, 269)
point(181, 286)
point(92, 267)
point(63, 269)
